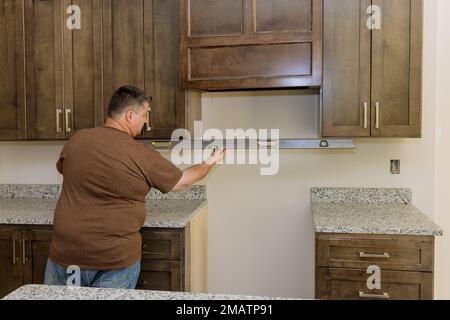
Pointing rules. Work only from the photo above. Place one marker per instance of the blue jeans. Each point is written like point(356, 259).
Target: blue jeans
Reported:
point(121, 279)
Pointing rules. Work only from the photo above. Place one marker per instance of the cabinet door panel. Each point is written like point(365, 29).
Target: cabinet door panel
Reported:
point(36, 254)
point(162, 70)
point(123, 41)
point(10, 270)
point(346, 69)
point(215, 17)
point(283, 15)
point(83, 68)
point(12, 86)
point(160, 275)
point(44, 52)
point(396, 69)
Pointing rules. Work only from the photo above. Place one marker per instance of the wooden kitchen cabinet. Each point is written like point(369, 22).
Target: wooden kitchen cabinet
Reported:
point(63, 68)
point(141, 48)
point(172, 259)
point(70, 73)
point(12, 64)
point(406, 266)
point(372, 77)
point(246, 44)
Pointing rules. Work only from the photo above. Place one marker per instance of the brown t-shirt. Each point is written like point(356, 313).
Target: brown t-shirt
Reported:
point(107, 175)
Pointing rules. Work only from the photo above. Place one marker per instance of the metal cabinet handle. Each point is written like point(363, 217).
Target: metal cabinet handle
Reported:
point(378, 256)
point(268, 143)
point(366, 108)
point(15, 260)
point(377, 115)
point(162, 144)
point(68, 112)
point(58, 120)
point(24, 253)
point(148, 122)
point(374, 296)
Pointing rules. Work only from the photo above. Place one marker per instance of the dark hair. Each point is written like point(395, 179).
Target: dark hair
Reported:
point(127, 97)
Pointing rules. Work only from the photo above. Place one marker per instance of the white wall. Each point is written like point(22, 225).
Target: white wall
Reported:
point(260, 237)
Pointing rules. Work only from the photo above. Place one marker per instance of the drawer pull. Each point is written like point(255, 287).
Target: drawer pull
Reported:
point(374, 296)
point(378, 256)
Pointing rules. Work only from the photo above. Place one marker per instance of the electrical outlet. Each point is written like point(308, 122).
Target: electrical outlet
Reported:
point(395, 166)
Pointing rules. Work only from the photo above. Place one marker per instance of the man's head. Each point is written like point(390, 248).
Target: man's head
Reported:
point(129, 106)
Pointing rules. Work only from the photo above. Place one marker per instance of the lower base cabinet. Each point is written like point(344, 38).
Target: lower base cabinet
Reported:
point(375, 267)
point(172, 259)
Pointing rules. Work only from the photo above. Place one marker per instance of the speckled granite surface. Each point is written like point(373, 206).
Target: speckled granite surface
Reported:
point(362, 195)
point(52, 191)
point(369, 211)
point(18, 206)
point(40, 292)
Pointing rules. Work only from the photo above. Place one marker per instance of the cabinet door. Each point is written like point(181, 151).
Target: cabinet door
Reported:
point(346, 69)
point(44, 71)
point(83, 67)
point(10, 262)
point(123, 45)
point(162, 70)
point(160, 275)
point(141, 48)
point(12, 64)
point(396, 69)
point(37, 248)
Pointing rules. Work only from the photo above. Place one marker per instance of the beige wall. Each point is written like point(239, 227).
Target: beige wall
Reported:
point(260, 237)
point(442, 173)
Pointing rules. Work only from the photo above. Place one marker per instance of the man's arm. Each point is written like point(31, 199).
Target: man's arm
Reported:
point(196, 173)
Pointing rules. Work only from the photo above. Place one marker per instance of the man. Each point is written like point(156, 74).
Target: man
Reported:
point(107, 175)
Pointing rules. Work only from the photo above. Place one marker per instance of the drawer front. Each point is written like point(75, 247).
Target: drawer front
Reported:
point(387, 252)
point(160, 275)
point(162, 245)
point(351, 284)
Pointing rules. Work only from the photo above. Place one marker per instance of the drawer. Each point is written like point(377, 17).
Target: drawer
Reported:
point(403, 253)
point(160, 275)
point(351, 284)
point(162, 244)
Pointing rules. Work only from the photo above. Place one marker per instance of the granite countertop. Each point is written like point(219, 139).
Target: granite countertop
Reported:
point(35, 204)
point(42, 292)
point(369, 211)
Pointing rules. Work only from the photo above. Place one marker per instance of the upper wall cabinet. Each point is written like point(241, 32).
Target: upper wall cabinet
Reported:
point(141, 47)
point(64, 68)
point(251, 44)
point(12, 65)
point(65, 58)
point(372, 73)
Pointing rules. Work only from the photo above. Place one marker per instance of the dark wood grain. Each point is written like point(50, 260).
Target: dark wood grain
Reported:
point(346, 68)
point(215, 17)
point(265, 54)
point(341, 273)
point(10, 273)
point(396, 69)
point(12, 62)
point(283, 15)
point(45, 78)
point(346, 284)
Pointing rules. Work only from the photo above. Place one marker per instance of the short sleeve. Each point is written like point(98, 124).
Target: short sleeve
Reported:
point(60, 163)
point(160, 172)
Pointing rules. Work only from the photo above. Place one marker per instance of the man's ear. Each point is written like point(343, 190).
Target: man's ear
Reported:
point(129, 115)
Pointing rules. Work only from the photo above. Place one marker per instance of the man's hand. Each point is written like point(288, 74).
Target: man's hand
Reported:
point(196, 173)
point(216, 156)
